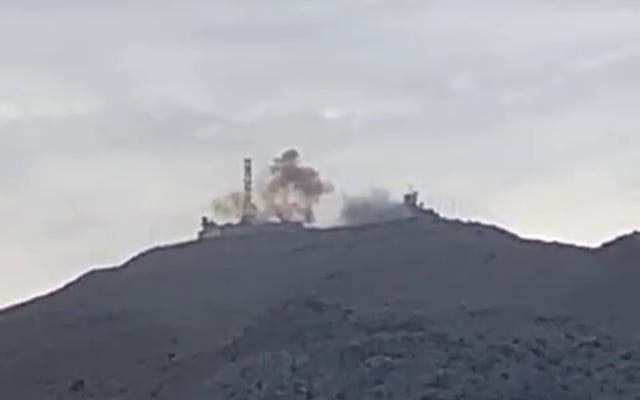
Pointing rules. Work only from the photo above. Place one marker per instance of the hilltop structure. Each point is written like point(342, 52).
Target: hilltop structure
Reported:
point(249, 222)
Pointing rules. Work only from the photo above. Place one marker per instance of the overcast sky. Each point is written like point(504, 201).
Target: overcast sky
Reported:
point(121, 120)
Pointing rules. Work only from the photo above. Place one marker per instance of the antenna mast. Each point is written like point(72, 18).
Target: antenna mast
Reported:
point(247, 206)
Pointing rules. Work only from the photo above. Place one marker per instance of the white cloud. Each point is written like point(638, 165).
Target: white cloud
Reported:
point(607, 59)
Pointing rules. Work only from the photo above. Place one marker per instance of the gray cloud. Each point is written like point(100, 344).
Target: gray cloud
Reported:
point(120, 121)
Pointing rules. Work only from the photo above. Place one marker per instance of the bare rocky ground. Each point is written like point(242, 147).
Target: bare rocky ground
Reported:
point(310, 349)
point(427, 309)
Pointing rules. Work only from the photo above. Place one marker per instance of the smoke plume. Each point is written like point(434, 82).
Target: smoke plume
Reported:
point(229, 206)
point(376, 206)
point(292, 189)
point(288, 191)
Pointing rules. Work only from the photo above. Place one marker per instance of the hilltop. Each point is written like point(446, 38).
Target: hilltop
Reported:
point(205, 318)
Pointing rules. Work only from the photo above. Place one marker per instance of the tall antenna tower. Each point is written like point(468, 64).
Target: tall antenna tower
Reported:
point(247, 206)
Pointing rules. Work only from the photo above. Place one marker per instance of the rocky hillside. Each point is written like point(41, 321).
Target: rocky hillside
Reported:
point(310, 349)
point(421, 308)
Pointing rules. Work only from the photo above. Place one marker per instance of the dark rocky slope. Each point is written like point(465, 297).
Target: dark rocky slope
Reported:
point(160, 326)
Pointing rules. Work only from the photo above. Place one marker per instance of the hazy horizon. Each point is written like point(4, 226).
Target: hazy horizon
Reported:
point(121, 121)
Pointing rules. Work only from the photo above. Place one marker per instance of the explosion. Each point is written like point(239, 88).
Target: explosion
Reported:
point(288, 192)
